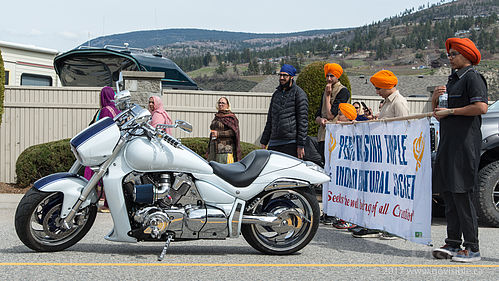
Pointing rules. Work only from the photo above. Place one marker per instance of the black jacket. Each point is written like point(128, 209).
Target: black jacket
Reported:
point(287, 118)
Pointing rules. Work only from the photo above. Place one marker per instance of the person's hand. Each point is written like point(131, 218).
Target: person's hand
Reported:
point(437, 92)
point(442, 113)
point(300, 151)
point(263, 146)
point(368, 112)
point(329, 89)
point(321, 121)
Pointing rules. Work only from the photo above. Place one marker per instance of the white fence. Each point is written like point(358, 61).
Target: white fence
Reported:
point(35, 115)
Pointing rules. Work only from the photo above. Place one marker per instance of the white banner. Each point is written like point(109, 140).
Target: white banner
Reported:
point(381, 176)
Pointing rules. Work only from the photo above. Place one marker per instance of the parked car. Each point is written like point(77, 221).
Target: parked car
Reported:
point(99, 67)
point(487, 195)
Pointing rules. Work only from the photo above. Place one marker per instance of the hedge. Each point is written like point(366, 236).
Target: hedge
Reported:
point(2, 86)
point(313, 82)
point(44, 159)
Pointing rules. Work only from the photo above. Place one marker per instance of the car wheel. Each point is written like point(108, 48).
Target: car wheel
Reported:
point(487, 197)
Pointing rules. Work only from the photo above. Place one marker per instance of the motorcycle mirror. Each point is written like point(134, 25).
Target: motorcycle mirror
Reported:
point(142, 117)
point(122, 98)
point(184, 125)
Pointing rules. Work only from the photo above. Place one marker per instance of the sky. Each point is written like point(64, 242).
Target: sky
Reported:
point(63, 25)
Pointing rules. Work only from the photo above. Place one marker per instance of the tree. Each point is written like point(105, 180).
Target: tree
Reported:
point(268, 68)
point(207, 59)
point(221, 69)
point(253, 68)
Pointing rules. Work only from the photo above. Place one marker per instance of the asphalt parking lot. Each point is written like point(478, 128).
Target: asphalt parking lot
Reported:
point(332, 254)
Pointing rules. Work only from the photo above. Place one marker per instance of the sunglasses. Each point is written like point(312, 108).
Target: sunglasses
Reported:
point(356, 107)
point(453, 54)
point(283, 75)
point(221, 102)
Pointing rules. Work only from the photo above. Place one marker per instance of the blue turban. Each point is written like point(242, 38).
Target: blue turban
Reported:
point(289, 69)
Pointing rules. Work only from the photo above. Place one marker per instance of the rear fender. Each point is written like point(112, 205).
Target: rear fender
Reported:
point(70, 185)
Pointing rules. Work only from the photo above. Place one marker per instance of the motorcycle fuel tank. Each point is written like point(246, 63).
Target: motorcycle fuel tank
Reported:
point(144, 155)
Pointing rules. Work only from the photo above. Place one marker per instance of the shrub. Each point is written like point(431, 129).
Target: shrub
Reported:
point(44, 159)
point(2, 87)
point(313, 82)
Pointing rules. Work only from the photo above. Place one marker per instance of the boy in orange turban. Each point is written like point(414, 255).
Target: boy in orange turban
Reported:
point(455, 172)
point(347, 112)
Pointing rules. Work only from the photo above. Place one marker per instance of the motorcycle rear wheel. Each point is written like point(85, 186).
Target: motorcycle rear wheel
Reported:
point(300, 214)
point(38, 224)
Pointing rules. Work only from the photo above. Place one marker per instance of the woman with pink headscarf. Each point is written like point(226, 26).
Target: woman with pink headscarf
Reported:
point(159, 115)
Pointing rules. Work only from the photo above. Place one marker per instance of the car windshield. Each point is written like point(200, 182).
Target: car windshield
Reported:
point(494, 106)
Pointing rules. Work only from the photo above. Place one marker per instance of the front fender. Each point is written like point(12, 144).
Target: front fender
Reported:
point(70, 185)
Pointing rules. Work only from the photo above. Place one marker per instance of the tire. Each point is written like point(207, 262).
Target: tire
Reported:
point(487, 197)
point(37, 222)
point(288, 204)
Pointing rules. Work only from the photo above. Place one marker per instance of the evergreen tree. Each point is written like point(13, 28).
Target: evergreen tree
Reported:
point(221, 69)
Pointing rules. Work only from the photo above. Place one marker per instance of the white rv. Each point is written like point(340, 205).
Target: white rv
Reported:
point(27, 65)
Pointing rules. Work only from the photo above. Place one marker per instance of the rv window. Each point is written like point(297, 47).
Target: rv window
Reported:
point(6, 77)
point(28, 79)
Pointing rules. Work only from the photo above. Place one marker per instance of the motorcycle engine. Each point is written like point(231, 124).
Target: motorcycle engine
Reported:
point(158, 202)
point(163, 189)
point(154, 221)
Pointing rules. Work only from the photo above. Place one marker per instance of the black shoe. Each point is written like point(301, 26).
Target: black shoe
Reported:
point(356, 229)
point(328, 220)
point(366, 233)
point(445, 252)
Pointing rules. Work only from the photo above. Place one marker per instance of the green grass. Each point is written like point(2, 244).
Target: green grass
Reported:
point(208, 70)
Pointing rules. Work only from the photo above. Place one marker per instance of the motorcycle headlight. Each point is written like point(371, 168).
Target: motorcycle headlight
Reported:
point(314, 166)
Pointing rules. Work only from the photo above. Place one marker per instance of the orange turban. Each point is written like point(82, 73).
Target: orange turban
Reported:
point(334, 69)
point(348, 110)
point(384, 79)
point(465, 47)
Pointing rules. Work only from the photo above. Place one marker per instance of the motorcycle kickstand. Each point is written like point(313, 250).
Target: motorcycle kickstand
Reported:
point(168, 240)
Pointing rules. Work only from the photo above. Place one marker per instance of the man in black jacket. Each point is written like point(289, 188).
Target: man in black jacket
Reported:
point(287, 119)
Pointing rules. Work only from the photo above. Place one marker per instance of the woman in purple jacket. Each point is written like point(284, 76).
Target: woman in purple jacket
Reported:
point(107, 109)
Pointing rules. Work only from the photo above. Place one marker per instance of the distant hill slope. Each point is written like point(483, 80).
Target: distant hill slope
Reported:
point(150, 38)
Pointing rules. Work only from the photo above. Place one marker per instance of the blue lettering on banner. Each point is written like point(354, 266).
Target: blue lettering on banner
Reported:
point(395, 149)
point(362, 148)
point(404, 186)
point(363, 180)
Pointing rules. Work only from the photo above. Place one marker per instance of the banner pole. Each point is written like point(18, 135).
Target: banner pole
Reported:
point(409, 117)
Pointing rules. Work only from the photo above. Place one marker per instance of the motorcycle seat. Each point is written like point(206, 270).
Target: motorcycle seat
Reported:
point(244, 172)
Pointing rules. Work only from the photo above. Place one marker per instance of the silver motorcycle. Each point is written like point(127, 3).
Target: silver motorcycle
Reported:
point(159, 190)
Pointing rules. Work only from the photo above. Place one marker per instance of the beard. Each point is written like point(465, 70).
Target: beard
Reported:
point(287, 84)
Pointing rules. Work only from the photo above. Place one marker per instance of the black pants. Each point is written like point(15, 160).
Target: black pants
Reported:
point(461, 220)
point(321, 150)
point(289, 149)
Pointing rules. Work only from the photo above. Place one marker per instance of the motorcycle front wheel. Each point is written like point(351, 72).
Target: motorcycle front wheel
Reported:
point(38, 222)
point(299, 213)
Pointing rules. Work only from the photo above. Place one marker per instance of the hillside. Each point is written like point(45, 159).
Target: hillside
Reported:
point(152, 38)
